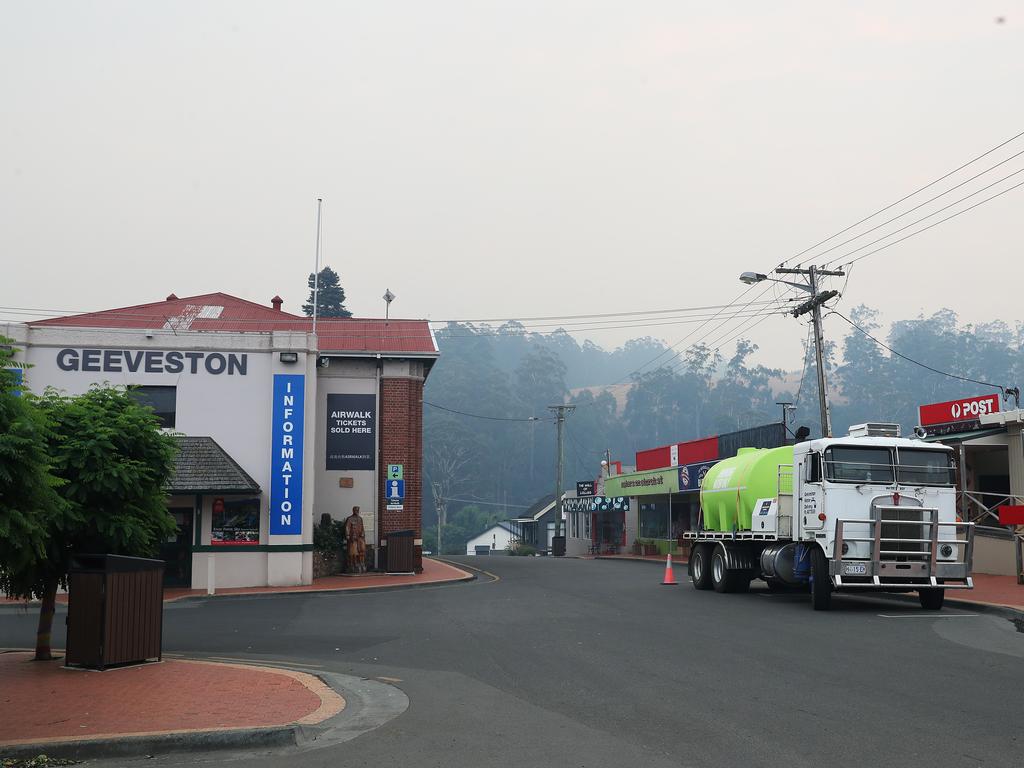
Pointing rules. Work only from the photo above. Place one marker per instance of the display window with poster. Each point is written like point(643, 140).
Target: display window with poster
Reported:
point(235, 522)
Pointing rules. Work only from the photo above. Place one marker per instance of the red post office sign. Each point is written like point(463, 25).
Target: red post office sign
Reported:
point(953, 411)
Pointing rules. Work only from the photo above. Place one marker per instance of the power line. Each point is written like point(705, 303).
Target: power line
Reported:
point(922, 205)
point(907, 197)
point(482, 416)
point(377, 335)
point(489, 503)
point(803, 371)
point(916, 362)
point(816, 245)
point(575, 317)
point(840, 259)
point(52, 314)
point(935, 224)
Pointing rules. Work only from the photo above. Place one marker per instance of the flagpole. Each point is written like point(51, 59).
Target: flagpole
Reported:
point(316, 269)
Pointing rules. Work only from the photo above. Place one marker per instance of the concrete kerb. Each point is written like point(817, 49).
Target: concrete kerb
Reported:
point(369, 704)
point(1006, 611)
point(339, 591)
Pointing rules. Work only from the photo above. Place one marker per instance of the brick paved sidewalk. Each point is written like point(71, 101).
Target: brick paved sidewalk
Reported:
point(45, 702)
point(434, 572)
point(989, 589)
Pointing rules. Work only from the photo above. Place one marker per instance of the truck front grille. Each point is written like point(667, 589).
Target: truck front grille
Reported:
point(898, 525)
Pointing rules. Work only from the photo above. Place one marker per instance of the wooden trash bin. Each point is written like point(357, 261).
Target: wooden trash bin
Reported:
point(400, 553)
point(115, 610)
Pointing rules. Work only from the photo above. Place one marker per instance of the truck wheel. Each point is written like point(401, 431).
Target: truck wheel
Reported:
point(821, 582)
point(932, 599)
point(700, 567)
point(719, 573)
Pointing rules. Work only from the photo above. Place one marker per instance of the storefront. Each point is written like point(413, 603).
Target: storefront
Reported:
point(666, 486)
point(278, 425)
point(990, 473)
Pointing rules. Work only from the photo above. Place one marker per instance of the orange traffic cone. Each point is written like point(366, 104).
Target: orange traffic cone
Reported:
point(669, 577)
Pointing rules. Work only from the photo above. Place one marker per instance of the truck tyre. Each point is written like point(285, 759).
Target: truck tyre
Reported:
point(821, 582)
point(720, 577)
point(932, 599)
point(700, 566)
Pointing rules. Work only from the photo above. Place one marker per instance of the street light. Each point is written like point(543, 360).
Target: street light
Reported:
point(752, 277)
point(812, 305)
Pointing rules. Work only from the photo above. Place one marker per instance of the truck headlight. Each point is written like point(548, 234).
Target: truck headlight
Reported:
point(846, 548)
point(946, 550)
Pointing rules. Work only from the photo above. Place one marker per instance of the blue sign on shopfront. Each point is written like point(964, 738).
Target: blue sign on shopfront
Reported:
point(692, 475)
point(286, 454)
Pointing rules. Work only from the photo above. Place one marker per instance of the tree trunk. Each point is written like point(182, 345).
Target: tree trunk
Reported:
point(46, 622)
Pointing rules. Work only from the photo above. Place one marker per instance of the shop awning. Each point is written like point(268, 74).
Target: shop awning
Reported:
point(960, 437)
point(202, 466)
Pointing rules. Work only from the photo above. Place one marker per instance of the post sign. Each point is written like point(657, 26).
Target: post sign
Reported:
point(286, 431)
point(395, 471)
point(960, 412)
point(585, 488)
point(351, 431)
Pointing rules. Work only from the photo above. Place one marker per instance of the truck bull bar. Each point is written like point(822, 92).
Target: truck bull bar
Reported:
point(900, 562)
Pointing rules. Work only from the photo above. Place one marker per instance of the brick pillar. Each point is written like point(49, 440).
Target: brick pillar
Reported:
point(401, 442)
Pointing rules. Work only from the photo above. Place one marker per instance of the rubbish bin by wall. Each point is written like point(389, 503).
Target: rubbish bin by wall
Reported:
point(401, 555)
point(558, 546)
point(115, 610)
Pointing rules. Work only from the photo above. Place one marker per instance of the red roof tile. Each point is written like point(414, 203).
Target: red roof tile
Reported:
point(230, 314)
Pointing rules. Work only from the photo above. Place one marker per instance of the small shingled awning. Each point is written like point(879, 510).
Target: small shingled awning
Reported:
point(202, 466)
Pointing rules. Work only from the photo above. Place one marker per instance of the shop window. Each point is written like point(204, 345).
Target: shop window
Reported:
point(163, 401)
point(235, 522)
point(654, 520)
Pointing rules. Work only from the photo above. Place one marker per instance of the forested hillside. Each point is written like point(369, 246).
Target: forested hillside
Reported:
point(500, 464)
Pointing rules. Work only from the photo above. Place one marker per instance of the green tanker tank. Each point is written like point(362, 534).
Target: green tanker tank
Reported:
point(732, 487)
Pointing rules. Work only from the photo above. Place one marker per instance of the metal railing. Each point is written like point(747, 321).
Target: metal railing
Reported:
point(902, 558)
point(989, 512)
point(784, 481)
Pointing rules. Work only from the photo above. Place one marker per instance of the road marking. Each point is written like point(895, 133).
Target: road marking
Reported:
point(926, 615)
point(390, 679)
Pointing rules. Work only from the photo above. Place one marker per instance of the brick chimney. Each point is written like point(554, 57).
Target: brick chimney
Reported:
point(171, 297)
point(276, 303)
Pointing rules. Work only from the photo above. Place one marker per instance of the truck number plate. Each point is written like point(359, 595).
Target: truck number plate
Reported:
point(855, 569)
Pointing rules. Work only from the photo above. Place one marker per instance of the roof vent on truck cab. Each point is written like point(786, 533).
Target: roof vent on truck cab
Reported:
point(875, 429)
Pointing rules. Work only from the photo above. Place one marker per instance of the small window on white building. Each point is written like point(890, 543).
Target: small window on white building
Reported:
point(163, 401)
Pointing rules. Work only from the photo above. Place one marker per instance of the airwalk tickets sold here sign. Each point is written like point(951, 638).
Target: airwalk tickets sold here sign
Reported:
point(351, 431)
point(286, 454)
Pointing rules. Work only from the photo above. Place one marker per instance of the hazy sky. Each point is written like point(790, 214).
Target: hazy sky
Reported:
point(502, 159)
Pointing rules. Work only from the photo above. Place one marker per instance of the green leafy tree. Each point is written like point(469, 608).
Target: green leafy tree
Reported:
point(330, 296)
point(114, 463)
point(28, 496)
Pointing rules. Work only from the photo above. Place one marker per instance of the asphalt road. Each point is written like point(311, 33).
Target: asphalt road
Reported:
point(593, 663)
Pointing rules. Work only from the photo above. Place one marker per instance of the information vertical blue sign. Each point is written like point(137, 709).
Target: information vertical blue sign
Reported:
point(286, 454)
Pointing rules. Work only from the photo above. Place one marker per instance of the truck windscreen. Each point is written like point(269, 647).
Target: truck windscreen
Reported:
point(923, 467)
point(859, 465)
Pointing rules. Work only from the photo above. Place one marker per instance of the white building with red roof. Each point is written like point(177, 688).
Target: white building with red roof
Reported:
point(295, 425)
